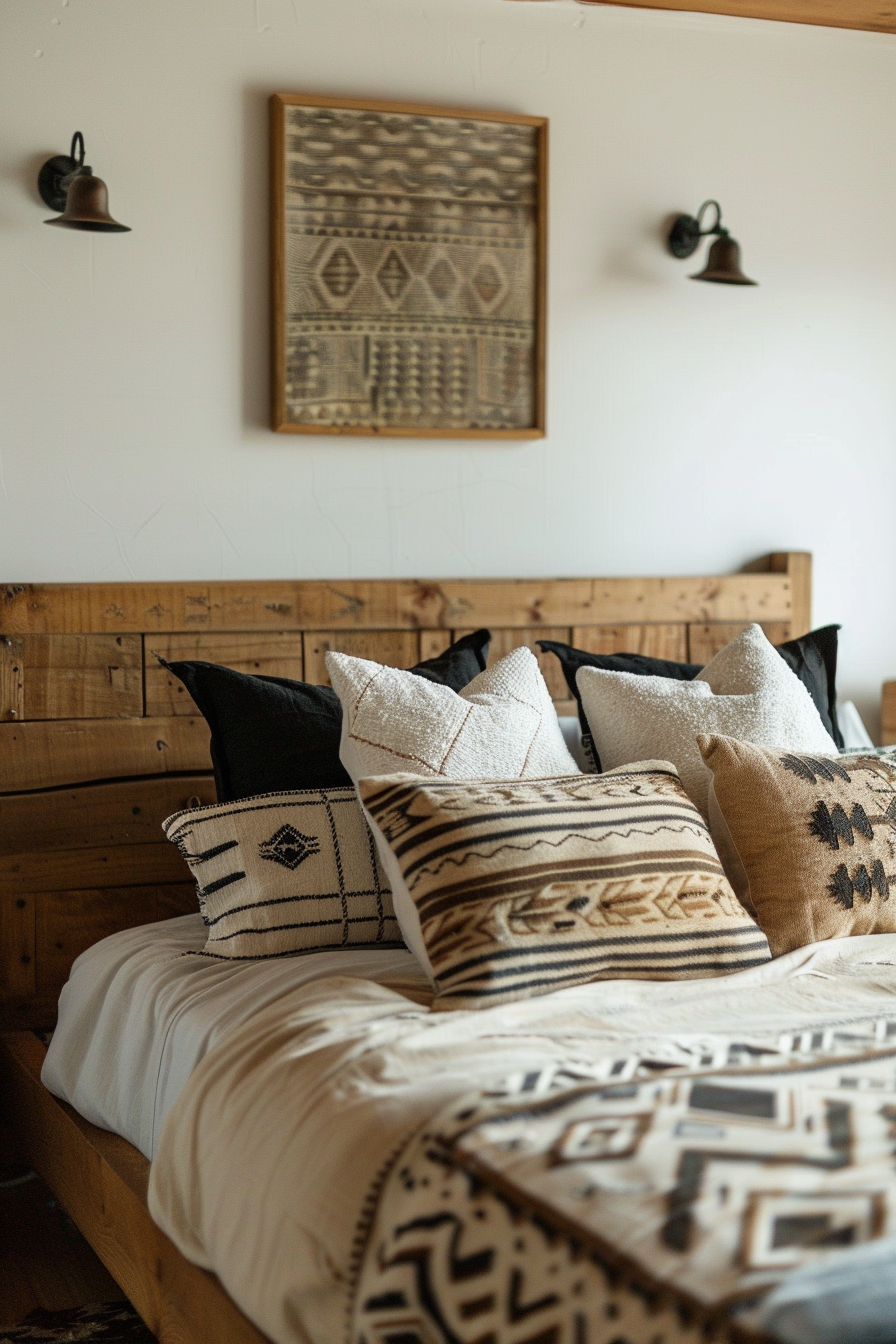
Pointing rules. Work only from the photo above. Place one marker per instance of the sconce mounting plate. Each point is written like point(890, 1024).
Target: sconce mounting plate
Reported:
point(50, 178)
point(684, 236)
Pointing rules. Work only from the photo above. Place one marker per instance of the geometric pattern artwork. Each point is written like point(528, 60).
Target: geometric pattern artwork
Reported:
point(643, 1204)
point(408, 294)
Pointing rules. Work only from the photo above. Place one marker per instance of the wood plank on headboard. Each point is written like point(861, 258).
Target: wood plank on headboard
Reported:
point(52, 754)
point(392, 604)
point(99, 743)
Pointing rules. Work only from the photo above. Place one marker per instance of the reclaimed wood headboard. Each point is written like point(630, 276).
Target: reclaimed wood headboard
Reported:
point(98, 744)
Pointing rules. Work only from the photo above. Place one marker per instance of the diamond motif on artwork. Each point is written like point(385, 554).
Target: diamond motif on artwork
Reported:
point(410, 268)
point(488, 282)
point(289, 847)
point(340, 275)
point(393, 275)
point(442, 279)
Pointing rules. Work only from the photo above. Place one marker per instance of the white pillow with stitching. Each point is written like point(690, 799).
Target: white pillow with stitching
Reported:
point(747, 691)
point(503, 725)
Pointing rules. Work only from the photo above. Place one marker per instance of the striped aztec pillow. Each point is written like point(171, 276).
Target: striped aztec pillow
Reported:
point(286, 872)
point(525, 886)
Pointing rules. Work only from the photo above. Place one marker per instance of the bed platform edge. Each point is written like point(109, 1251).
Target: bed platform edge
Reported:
point(101, 1181)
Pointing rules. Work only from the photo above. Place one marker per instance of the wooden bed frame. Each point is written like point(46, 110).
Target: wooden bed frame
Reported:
point(98, 744)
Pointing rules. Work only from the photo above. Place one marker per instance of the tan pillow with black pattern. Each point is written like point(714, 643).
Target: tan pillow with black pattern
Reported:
point(808, 842)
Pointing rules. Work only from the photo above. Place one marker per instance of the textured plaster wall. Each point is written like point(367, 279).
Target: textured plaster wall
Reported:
point(691, 427)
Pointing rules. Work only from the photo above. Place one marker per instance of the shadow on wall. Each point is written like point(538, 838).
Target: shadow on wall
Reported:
point(641, 261)
point(256, 315)
point(24, 174)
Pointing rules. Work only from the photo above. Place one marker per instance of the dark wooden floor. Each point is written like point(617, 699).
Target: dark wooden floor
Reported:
point(44, 1260)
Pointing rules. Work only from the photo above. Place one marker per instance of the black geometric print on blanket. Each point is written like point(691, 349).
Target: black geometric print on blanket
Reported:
point(657, 1208)
point(289, 847)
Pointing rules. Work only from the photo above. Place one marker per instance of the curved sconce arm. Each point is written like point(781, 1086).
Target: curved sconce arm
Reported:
point(723, 265)
point(687, 230)
point(67, 185)
point(58, 173)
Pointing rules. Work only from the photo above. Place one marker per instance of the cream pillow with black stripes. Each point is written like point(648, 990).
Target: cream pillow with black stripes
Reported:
point(525, 886)
point(286, 872)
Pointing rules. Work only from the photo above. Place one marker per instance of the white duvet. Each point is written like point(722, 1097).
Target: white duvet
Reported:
point(142, 1008)
point(271, 1152)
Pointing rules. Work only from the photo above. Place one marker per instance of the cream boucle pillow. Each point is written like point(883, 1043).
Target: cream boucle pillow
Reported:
point(501, 726)
point(747, 691)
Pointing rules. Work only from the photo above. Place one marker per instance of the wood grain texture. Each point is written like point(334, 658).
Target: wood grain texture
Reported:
point(870, 15)
point(46, 1264)
point(395, 648)
point(12, 679)
point(505, 640)
point(261, 653)
point(68, 922)
point(17, 941)
point(101, 1181)
point(434, 642)
point(109, 866)
point(82, 676)
point(71, 751)
point(705, 641)
point(400, 604)
point(660, 640)
point(128, 812)
point(888, 713)
point(797, 566)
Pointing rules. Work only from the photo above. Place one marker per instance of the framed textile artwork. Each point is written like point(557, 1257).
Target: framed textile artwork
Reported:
point(409, 269)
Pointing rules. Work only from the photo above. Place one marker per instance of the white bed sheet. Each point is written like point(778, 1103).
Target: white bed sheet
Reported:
point(137, 1015)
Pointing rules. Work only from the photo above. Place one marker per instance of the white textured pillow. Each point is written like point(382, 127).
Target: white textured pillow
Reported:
point(503, 725)
point(747, 687)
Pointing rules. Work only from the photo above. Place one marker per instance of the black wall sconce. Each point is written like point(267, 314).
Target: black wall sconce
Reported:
point(67, 183)
point(723, 263)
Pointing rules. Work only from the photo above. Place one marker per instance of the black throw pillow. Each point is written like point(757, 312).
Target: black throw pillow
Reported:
point(812, 657)
point(271, 734)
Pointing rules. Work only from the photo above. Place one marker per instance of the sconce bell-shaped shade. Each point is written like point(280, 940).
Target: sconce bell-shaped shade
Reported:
point(87, 207)
point(723, 264)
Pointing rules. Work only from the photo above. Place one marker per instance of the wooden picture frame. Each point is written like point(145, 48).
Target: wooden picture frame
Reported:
point(409, 269)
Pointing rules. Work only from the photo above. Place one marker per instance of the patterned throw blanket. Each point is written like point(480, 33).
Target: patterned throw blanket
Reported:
point(628, 1162)
point(652, 1204)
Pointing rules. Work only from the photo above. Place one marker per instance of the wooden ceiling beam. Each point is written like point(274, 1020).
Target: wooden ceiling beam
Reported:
point(875, 16)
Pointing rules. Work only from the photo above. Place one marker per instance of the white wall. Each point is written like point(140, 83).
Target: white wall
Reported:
point(691, 427)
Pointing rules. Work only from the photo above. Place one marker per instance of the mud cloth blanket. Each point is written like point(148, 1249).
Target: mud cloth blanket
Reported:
point(619, 1163)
